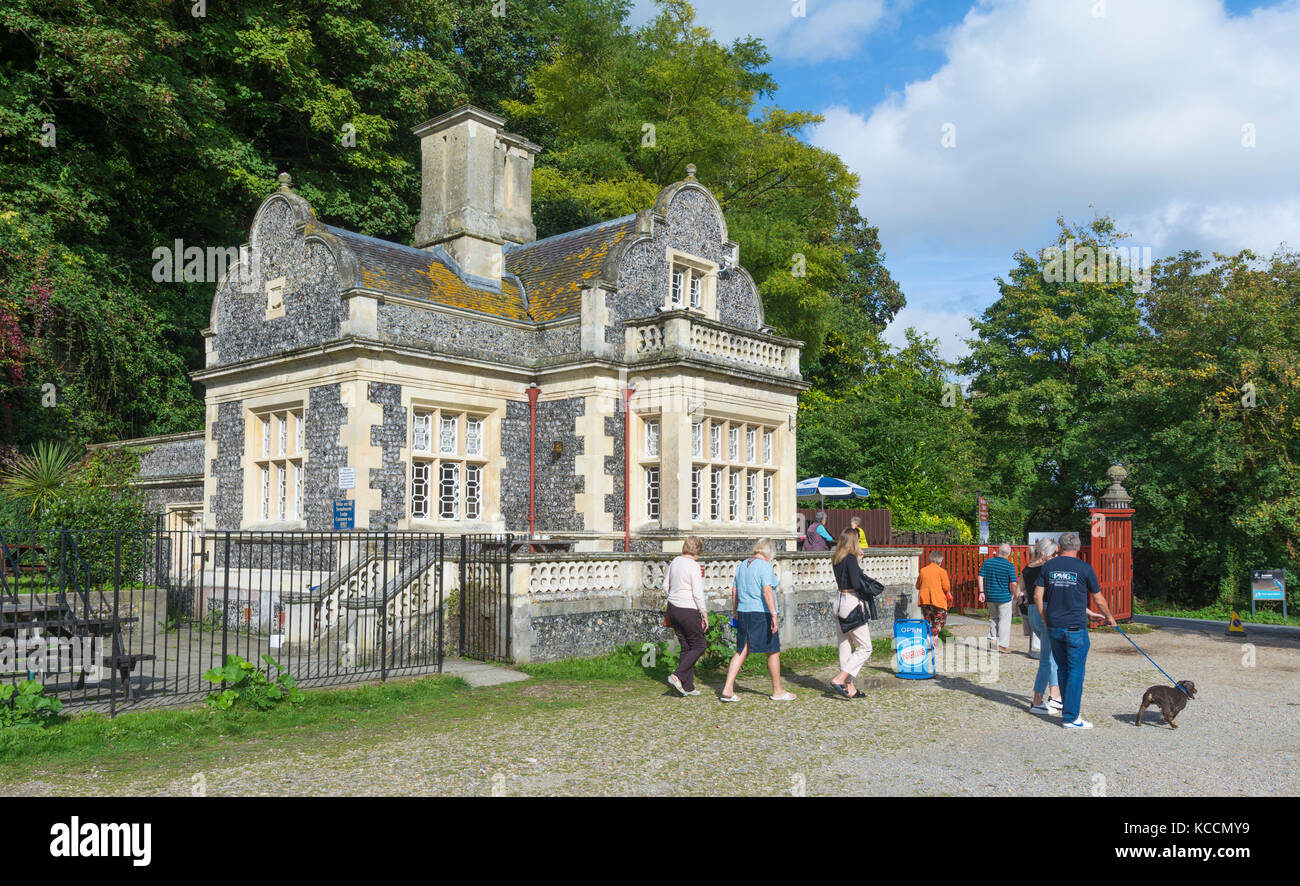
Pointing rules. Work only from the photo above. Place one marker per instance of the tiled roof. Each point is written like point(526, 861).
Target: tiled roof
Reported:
point(553, 272)
point(418, 273)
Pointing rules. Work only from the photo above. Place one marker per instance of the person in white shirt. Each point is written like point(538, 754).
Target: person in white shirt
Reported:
point(688, 612)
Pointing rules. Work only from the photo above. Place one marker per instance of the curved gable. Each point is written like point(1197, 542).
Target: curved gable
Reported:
point(687, 220)
point(291, 248)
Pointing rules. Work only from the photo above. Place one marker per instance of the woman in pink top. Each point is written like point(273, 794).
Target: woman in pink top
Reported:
point(688, 612)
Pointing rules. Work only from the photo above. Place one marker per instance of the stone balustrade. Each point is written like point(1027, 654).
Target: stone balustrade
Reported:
point(588, 603)
point(687, 334)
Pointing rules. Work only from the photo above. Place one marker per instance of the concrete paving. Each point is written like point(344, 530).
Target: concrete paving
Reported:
point(480, 673)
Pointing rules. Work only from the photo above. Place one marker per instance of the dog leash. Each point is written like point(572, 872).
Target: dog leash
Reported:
point(1150, 659)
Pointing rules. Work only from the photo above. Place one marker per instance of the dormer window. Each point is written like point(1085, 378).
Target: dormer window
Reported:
point(688, 283)
point(691, 285)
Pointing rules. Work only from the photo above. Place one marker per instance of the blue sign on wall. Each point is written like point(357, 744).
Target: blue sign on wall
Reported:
point(345, 510)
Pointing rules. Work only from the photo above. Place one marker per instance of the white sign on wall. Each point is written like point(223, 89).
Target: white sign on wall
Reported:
point(347, 477)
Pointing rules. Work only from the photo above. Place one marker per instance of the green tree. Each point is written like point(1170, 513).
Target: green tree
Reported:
point(1042, 369)
point(623, 111)
point(888, 428)
point(128, 124)
point(1209, 419)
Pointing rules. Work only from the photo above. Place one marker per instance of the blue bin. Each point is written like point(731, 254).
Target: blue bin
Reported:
point(913, 653)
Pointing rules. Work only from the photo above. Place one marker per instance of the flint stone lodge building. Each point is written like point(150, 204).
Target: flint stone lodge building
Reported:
point(624, 369)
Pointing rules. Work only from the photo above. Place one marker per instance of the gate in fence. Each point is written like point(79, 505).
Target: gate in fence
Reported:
point(484, 605)
point(128, 618)
point(1110, 554)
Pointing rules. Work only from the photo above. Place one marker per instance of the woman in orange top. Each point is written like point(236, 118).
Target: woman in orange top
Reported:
point(935, 593)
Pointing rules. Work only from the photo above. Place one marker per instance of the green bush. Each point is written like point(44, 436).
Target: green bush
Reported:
point(958, 530)
point(27, 705)
point(248, 687)
point(720, 645)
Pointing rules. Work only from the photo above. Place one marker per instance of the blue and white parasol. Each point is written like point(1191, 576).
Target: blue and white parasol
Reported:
point(829, 487)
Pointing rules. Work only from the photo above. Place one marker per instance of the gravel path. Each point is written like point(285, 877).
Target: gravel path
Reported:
point(950, 736)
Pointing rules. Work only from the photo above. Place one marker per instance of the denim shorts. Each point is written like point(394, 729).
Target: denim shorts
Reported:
point(755, 629)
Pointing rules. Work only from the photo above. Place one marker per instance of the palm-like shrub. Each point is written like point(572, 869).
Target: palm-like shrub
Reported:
point(40, 476)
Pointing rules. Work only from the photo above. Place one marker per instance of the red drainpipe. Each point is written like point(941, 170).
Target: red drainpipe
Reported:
point(627, 467)
point(533, 392)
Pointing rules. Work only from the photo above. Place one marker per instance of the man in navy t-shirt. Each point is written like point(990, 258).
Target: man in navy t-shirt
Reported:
point(1061, 592)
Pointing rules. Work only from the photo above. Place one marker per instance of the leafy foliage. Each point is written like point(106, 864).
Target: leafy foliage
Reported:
point(623, 111)
point(40, 476)
point(1042, 369)
point(27, 705)
point(167, 126)
point(248, 687)
point(1193, 385)
point(1209, 420)
point(877, 417)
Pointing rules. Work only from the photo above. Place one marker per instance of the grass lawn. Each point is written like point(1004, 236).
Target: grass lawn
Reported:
point(185, 737)
point(190, 739)
point(623, 664)
point(1270, 616)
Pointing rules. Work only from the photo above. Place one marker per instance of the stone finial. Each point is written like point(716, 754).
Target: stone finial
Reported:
point(285, 180)
point(690, 172)
point(1116, 496)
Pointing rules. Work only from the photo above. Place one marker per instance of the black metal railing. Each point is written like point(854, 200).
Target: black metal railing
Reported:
point(484, 608)
point(127, 618)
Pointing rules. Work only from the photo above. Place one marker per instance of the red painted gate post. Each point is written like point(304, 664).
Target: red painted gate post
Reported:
point(1112, 545)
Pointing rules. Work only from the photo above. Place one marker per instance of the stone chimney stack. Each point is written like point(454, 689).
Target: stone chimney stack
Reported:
point(476, 189)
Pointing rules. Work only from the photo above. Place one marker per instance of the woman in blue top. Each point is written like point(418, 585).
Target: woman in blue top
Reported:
point(753, 603)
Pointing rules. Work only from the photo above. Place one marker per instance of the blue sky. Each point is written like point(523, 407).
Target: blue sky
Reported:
point(1178, 118)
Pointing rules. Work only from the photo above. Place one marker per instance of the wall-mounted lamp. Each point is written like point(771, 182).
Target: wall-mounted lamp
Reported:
point(556, 449)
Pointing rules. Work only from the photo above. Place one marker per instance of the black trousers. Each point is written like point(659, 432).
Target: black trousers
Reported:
point(686, 625)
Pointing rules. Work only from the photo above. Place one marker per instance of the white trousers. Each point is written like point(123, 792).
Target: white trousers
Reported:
point(855, 646)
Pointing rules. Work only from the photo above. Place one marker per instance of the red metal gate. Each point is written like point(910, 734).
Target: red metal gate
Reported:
point(1110, 554)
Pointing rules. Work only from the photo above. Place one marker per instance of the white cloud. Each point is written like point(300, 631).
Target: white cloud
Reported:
point(950, 326)
point(827, 29)
point(1139, 113)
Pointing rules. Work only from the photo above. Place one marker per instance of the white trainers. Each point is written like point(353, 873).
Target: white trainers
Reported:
point(1054, 704)
point(1039, 709)
point(676, 683)
point(1078, 724)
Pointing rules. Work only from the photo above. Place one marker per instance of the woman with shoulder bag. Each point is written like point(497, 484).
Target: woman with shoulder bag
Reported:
point(687, 613)
point(855, 603)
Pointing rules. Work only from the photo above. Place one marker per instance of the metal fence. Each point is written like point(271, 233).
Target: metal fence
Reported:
point(963, 564)
point(118, 619)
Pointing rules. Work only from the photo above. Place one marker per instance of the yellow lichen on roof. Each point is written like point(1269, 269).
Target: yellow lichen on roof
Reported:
point(553, 272)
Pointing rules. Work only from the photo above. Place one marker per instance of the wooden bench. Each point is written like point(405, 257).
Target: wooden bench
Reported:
point(124, 664)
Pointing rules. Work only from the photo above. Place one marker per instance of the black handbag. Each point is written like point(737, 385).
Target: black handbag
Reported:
point(855, 619)
point(870, 590)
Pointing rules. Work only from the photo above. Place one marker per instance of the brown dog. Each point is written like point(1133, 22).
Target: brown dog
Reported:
point(1170, 700)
